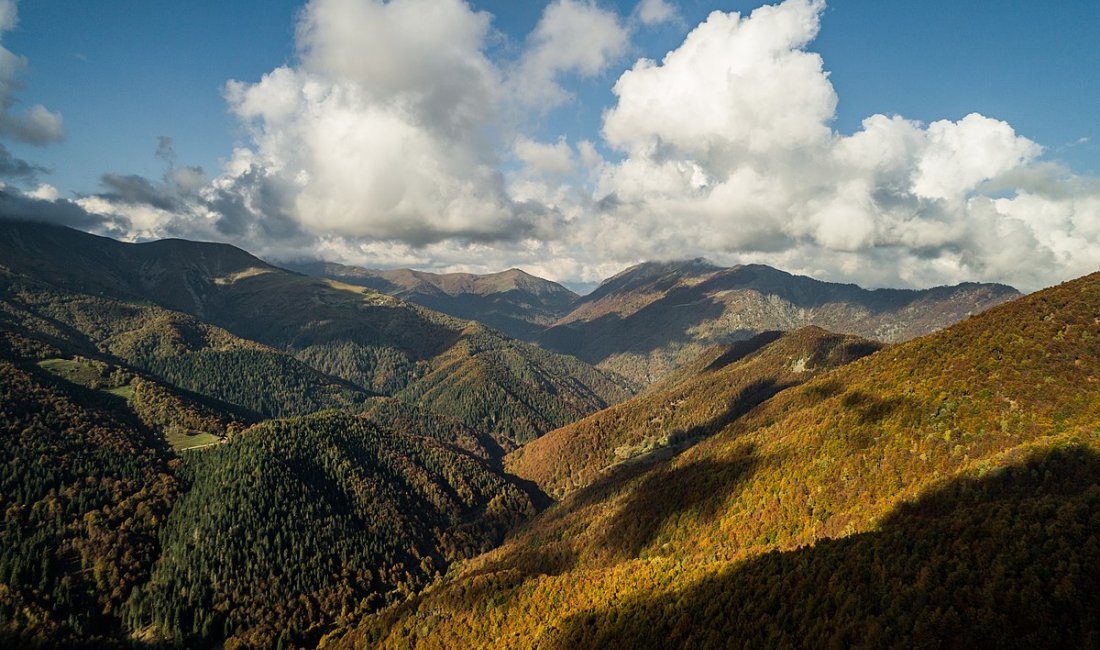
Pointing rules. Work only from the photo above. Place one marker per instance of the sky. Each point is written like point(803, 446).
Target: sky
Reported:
point(883, 143)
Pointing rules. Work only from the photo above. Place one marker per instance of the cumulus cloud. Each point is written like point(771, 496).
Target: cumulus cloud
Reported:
point(572, 37)
point(383, 130)
point(729, 138)
point(751, 86)
point(36, 125)
point(655, 12)
point(391, 141)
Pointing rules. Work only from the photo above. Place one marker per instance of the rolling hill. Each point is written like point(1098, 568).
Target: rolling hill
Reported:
point(655, 317)
point(941, 491)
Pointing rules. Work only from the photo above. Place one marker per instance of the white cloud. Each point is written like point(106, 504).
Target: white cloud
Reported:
point(44, 192)
point(736, 86)
point(37, 126)
point(962, 154)
point(8, 15)
point(382, 132)
point(391, 142)
point(728, 151)
point(545, 159)
point(655, 12)
point(572, 37)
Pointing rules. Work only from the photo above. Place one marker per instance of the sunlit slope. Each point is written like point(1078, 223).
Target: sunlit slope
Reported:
point(958, 472)
point(701, 399)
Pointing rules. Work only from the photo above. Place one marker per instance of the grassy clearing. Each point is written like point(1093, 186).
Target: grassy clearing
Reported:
point(88, 373)
point(184, 440)
point(79, 371)
point(125, 392)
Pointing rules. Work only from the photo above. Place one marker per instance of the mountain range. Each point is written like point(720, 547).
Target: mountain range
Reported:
point(515, 303)
point(203, 449)
point(939, 492)
point(654, 317)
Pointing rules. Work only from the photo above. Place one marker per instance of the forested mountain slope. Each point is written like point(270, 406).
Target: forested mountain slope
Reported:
point(722, 385)
point(654, 317)
point(944, 491)
point(84, 488)
point(137, 510)
point(299, 522)
point(372, 342)
point(516, 303)
point(180, 349)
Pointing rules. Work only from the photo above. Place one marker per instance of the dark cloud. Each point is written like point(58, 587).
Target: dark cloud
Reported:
point(12, 167)
point(18, 206)
point(138, 190)
point(165, 151)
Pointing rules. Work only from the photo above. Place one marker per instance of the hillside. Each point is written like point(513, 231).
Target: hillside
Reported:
point(942, 491)
point(136, 508)
point(516, 303)
point(276, 533)
point(719, 387)
point(654, 317)
point(300, 522)
point(181, 350)
point(83, 487)
point(362, 341)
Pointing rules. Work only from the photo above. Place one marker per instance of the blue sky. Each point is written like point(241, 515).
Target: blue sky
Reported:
point(885, 143)
point(124, 73)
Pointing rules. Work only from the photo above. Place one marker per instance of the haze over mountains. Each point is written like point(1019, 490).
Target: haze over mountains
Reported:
point(204, 449)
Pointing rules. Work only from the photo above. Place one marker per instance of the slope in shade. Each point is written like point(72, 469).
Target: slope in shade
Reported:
point(83, 487)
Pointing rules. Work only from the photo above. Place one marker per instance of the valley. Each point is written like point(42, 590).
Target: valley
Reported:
point(191, 461)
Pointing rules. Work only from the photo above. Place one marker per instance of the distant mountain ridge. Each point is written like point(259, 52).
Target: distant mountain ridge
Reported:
point(513, 301)
point(654, 317)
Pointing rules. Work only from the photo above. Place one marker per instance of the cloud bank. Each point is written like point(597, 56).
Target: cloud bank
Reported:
point(393, 139)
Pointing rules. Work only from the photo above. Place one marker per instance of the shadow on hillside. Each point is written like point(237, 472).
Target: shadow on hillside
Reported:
point(678, 441)
point(699, 489)
point(746, 399)
point(740, 349)
point(870, 409)
point(655, 326)
point(1008, 560)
